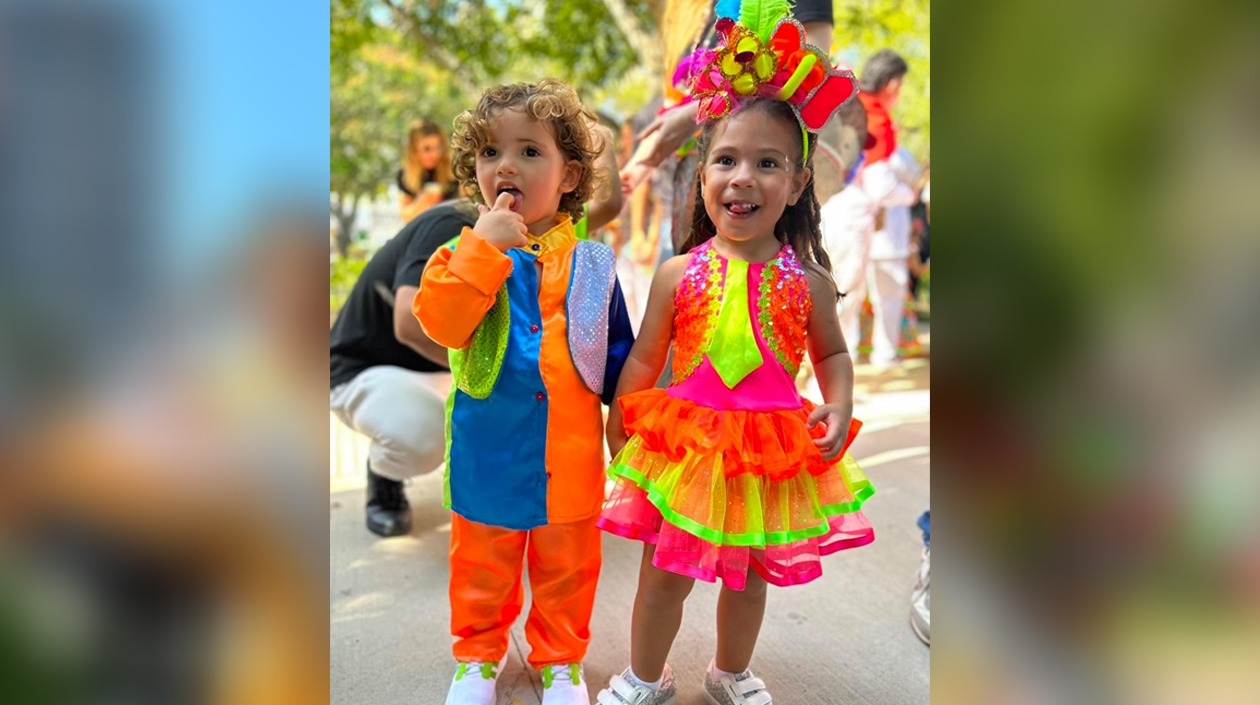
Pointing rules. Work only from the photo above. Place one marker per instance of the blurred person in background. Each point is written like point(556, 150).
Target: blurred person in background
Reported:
point(848, 221)
point(920, 237)
point(900, 224)
point(425, 178)
point(606, 203)
point(888, 177)
point(920, 598)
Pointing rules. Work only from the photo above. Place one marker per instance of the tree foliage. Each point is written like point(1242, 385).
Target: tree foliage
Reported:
point(393, 61)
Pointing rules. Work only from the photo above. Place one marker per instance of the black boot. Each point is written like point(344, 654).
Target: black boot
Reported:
point(388, 513)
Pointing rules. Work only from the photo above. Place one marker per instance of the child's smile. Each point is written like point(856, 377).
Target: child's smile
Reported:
point(751, 175)
point(741, 209)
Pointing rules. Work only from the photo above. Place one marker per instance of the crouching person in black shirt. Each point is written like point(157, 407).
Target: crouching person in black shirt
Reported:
point(383, 366)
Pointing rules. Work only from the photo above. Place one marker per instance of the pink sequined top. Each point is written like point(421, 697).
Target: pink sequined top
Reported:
point(779, 308)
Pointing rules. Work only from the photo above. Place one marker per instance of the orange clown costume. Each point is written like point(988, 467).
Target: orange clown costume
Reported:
point(537, 338)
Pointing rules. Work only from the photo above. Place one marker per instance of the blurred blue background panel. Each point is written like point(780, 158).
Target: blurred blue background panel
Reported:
point(163, 185)
point(80, 165)
point(140, 139)
point(249, 90)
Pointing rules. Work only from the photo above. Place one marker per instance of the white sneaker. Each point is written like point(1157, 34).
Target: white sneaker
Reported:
point(473, 684)
point(738, 689)
point(621, 691)
point(563, 685)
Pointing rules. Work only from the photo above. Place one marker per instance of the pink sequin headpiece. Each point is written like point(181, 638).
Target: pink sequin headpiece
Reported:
point(763, 54)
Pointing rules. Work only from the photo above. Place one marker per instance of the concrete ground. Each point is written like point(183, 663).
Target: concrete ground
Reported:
point(844, 638)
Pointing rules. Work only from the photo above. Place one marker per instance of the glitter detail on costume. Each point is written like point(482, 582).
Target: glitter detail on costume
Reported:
point(481, 361)
point(696, 308)
point(784, 306)
point(590, 292)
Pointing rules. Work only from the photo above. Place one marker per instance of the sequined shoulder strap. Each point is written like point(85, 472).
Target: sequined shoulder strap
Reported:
point(784, 306)
point(696, 304)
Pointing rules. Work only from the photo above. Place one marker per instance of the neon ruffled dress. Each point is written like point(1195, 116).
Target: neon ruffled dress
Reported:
point(720, 471)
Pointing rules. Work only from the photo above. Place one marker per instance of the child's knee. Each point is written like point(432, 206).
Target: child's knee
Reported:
point(661, 587)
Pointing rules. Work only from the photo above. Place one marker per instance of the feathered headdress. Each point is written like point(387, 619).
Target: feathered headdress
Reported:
point(762, 54)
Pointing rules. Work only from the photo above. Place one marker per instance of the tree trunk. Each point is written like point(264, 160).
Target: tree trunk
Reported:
point(345, 221)
point(644, 42)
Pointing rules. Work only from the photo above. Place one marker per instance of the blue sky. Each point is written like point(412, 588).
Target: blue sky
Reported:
point(245, 100)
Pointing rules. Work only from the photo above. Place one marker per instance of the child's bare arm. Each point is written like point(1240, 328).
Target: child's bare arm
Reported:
point(833, 367)
point(651, 347)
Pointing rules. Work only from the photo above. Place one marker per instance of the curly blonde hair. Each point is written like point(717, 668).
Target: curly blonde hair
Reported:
point(550, 101)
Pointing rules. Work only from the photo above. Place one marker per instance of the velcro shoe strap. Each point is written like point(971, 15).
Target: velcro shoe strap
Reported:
point(750, 691)
point(623, 693)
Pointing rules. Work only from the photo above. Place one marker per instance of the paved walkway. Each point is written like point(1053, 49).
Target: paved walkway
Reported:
point(842, 639)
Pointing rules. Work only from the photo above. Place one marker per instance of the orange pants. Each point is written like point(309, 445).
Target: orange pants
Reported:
point(486, 590)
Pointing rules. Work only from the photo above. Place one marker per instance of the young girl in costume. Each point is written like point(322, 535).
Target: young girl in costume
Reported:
point(729, 473)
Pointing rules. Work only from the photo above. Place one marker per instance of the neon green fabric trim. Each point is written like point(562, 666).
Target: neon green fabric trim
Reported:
point(856, 480)
point(734, 351)
point(456, 360)
point(754, 539)
point(857, 483)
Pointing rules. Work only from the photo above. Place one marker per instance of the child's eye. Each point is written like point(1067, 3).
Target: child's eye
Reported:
point(488, 152)
point(531, 152)
point(724, 161)
point(769, 163)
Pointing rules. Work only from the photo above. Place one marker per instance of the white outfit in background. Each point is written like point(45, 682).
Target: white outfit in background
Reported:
point(863, 258)
point(848, 222)
point(888, 274)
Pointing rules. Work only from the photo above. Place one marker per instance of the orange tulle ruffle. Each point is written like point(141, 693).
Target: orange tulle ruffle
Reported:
point(775, 444)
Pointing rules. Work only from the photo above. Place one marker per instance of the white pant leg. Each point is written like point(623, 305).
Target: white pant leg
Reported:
point(888, 279)
point(403, 414)
point(849, 310)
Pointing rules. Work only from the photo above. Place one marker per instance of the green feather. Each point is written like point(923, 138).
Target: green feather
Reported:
point(762, 16)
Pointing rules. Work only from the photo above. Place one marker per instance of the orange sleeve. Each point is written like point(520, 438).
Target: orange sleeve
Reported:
point(881, 136)
point(458, 288)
